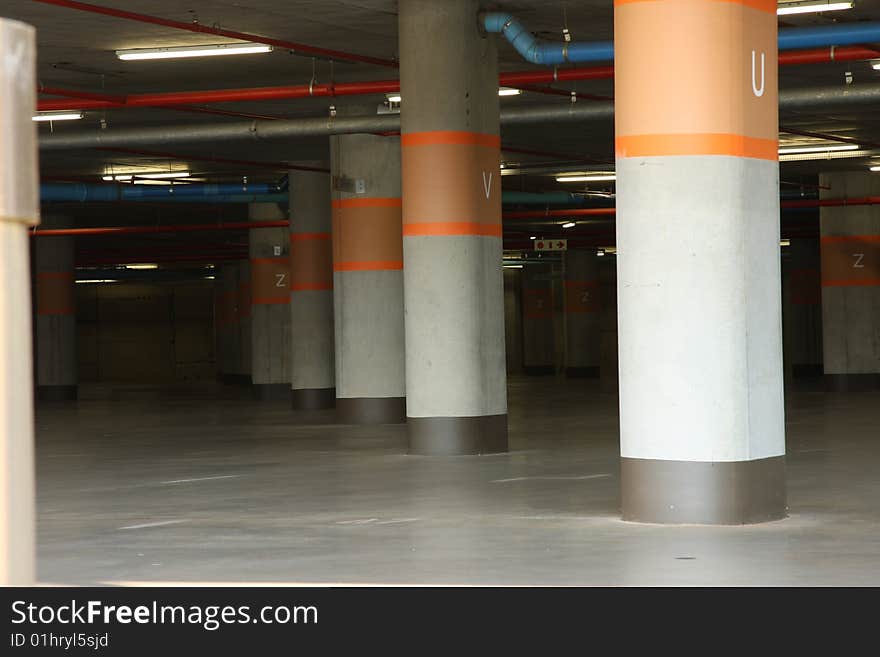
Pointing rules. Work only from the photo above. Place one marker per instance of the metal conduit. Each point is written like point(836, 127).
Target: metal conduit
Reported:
point(325, 126)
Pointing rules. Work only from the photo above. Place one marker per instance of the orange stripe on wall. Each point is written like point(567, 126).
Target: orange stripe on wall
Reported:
point(450, 137)
point(768, 6)
point(367, 203)
point(303, 237)
point(368, 265)
point(836, 239)
point(304, 287)
point(866, 282)
point(436, 228)
point(697, 144)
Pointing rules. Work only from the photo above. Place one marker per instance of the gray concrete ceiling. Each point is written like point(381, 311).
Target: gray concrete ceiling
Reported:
point(76, 50)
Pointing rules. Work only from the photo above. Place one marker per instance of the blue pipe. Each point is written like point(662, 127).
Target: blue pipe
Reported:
point(53, 192)
point(550, 53)
point(548, 198)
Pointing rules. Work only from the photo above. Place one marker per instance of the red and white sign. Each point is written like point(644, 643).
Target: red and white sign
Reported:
point(551, 245)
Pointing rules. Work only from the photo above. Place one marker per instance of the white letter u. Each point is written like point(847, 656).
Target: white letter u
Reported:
point(758, 92)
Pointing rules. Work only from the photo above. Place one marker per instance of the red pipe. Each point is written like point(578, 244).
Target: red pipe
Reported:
point(590, 212)
point(216, 31)
point(514, 79)
point(171, 228)
point(73, 93)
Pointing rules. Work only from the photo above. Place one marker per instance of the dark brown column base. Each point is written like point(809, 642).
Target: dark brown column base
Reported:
point(805, 370)
point(454, 436)
point(371, 410)
point(582, 372)
point(57, 393)
point(313, 399)
point(704, 493)
point(271, 391)
point(234, 379)
point(539, 370)
point(852, 382)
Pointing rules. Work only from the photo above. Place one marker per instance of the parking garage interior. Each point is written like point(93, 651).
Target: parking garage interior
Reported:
point(422, 292)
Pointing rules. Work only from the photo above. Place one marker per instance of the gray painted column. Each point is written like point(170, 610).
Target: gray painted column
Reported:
point(583, 318)
point(702, 431)
point(55, 317)
point(539, 347)
point(368, 279)
point(269, 305)
point(850, 246)
point(312, 365)
point(456, 383)
point(19, 210)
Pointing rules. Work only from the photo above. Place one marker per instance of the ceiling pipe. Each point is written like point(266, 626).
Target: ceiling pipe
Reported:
point(299, 48)
point(273, 166)
point(325, 126)
point(55, 192)
point(786, 205)
point(170, 228)
point(251, 225)
point(177, 100)
point(553, 53)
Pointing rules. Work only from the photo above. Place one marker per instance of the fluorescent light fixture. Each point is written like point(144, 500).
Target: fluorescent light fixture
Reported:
point(825, 155)
point(590, 177)
point(828, 148)
point(208, 278)
point(143, 265)
point(811, 7)
point(58, 116)
point(161, 176)
point(568, 224)
point(393, 97)
point(513, 266)
point(509, 91)
point(874, 169)
point(97, 280)
point(533, 237)
point(244, 48)
point(600, 252)
point(875, 65)
point(159, 182)
point(784, 242)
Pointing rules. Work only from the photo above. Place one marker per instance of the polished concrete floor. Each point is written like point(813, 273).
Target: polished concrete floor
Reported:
point(202, 484)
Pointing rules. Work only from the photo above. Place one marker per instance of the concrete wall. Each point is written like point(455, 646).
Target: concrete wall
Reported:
point(802, 308)
point(850, 246)
point(145, 332)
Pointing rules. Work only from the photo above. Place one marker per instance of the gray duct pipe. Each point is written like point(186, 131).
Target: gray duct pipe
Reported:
point(322, 127)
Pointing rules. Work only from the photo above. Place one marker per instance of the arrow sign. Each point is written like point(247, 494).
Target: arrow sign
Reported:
point(551, 245)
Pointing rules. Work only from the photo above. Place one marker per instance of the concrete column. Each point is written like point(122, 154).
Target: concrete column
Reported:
point(701, 388)
point(850, 246)
point(227, 320)
point(311, 292)
point(55, 317)
point(538, 309)
point(269, 305)
point(802, 309)
point(368, 279)
point(243, 330)
point(513, 339)
point(455, 363)
point(583, 320)
point(19, 210)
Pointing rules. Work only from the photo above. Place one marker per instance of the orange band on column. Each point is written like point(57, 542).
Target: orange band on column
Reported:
point(269, 281)
point(55, 294)
point(537, 303)
point(451, 183)
point(850, 260)
point(311, 262)
point(582, 296)
point(768, 6)
point(690, 144)
point(723, 102)
point(367, 234)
